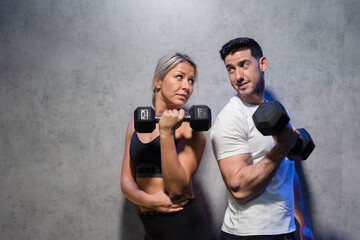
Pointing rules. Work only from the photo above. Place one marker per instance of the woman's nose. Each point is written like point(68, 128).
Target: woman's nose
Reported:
point(185, 84)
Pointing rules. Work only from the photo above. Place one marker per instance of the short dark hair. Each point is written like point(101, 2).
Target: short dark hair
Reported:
point(239, 44)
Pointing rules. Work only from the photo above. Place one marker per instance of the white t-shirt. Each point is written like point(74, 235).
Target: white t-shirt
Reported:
point(271, 212)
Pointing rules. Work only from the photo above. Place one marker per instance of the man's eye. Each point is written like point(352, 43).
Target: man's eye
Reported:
point(230, 70)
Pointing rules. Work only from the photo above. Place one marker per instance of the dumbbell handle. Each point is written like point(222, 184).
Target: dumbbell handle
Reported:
point(199, 117)
point(186, 118)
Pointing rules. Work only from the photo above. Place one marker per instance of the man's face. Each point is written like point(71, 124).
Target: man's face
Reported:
point(245, 72)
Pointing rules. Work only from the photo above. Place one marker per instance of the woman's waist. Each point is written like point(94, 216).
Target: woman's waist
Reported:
point(154, 185)
point(148, 170)
point(145, 211)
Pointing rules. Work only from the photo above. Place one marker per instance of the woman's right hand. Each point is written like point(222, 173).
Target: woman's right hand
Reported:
point(171, 120)
point(164, 204)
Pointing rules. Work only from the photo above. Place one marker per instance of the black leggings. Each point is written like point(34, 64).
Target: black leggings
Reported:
point(187, 224)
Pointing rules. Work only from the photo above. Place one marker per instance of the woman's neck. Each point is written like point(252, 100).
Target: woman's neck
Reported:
point(161, 106)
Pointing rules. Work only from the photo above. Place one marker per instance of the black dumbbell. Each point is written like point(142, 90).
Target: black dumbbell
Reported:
point(271, 118)
point(199, 117)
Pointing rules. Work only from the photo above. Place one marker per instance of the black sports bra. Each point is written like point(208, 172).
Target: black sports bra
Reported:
point(146, 157)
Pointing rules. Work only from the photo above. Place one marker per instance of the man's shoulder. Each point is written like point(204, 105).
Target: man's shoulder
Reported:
point(232, 116)
point(234, 108)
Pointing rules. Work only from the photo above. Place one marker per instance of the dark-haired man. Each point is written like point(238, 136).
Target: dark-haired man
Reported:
point(264, 188)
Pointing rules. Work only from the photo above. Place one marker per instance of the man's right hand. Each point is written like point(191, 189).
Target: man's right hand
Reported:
point(287, 139)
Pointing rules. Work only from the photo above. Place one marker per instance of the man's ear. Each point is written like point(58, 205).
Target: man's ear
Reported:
point(263, 64)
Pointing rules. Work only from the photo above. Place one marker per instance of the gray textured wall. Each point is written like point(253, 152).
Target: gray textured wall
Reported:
point(71, 73)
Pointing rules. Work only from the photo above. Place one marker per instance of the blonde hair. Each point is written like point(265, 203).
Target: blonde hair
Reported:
point(168, 62)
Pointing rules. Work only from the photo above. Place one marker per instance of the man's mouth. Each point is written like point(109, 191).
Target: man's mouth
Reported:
point(242, 83)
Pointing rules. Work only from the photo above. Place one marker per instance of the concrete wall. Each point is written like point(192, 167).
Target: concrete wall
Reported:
point(72, 72)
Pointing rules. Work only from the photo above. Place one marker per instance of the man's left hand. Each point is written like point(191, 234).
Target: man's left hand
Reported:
point(306, 233)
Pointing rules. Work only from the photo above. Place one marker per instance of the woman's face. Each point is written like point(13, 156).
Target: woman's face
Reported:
point(177, 85)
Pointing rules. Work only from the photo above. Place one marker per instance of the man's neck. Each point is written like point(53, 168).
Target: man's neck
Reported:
point(254, 99)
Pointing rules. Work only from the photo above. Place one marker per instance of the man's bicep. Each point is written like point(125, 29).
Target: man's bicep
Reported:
point(230, 168)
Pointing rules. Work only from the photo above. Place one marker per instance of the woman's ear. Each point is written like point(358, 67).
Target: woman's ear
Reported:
point(157, 83)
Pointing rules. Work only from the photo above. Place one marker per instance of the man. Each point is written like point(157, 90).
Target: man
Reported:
point(264, 188)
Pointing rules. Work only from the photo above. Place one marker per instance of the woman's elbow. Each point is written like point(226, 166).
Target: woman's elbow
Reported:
point(124, 186)
point(176, 192)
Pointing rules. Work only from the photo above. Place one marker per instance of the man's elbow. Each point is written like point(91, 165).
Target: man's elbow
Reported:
point(241, 197)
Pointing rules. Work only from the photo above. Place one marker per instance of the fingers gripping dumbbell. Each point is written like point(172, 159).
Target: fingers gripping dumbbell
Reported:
point(199, 117)
point(271, 118)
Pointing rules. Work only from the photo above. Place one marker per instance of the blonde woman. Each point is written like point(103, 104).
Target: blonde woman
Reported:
point(158, 167)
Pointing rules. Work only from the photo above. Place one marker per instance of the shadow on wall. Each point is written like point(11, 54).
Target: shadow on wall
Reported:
point(330, 235)
point(131, 228)
point(205, 209)
point(306, 196)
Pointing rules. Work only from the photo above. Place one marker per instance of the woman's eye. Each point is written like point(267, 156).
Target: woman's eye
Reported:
point(191, 81)
point(179, 77)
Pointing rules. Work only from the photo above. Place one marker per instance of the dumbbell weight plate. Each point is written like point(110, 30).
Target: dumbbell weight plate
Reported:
point(303, 148)
point(144, 119)
point(271, 118)
point(200, 117)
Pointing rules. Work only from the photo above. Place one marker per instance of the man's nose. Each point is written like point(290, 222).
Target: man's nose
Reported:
point(239, 74)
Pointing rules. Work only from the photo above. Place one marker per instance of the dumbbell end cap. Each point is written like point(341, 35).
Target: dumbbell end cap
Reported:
point(144, 119)
point(303, 148)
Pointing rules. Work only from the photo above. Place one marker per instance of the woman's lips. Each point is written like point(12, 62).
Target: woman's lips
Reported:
point(182, 96)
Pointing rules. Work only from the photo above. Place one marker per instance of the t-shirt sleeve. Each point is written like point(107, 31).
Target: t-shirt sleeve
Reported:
point(229, 135)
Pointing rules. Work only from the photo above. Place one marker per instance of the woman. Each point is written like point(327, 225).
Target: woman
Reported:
point(158, 167)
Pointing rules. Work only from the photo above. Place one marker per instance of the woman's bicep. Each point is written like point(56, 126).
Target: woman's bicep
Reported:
point(190, 152)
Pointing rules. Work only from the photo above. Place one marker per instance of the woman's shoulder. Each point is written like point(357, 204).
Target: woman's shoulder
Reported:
point(130, 128)
point(185, 132)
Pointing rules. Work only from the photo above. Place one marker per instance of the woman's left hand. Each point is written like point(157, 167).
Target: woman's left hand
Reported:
point(165, 204)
